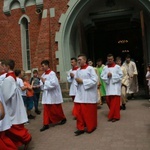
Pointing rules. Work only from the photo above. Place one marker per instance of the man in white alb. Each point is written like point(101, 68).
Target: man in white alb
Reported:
point(71, 80)
point(86, 97)
point(132, 73)
point(112, 76)
point(51, 98)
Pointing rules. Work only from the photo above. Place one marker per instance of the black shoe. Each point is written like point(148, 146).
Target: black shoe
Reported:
point(45, 127)
point(123, 107)
point(62, 122)
point(132, 96)
point(114, 120)
point(74, 118)
point(110, 119)
point(31, 117)
point(37, 112)
point(79, 132)
point(27, 144)
point(103, 99)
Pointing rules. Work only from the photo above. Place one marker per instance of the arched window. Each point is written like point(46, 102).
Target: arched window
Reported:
point(25, 42)
point(8, 5)
point(14, 5)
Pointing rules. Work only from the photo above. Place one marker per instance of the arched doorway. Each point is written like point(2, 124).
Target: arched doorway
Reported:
point(95, 28)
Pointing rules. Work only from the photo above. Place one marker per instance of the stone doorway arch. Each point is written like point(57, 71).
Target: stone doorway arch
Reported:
point(78, 17)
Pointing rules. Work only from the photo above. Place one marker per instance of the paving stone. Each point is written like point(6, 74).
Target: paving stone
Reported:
point(132, 132)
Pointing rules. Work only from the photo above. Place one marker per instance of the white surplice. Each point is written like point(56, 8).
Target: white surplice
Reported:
point(14, 101)
point(2, 77)
point(73, 88)
point(20, 84)
point(86, 92)
point(51, 89)
point(5, 124)
point(113, 84)
point(133, 80)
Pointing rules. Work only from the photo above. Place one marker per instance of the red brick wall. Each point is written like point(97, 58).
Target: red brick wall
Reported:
point(46, 45)
point(60, 7)
point(3, 33)
point(34, 26)
point(41, 32)
point(10, 35)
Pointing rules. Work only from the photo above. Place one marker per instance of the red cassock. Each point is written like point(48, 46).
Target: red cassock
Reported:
point(53, 113)
point(74, 111)
point(19, 135)
point(6, 143)
point(86, 116)
point(113, 103)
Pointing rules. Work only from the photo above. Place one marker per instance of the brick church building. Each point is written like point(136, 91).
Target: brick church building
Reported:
point(33, 30)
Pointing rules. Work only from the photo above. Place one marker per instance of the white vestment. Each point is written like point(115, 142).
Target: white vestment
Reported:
point(148, 77)
point(125, 78)
point(132, 73)
point(5, 124)
point(20, 84)
point(113, 84)
point(14, 101)
point(51, 89)
point(73, 88)
point(2, 77)
point(86, 92)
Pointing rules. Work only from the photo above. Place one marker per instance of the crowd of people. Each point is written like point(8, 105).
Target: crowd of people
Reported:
point(18, 95)
point(90, 87)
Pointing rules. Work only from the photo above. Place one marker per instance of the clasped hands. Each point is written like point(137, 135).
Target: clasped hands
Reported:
point(43, 79)
point(71, 75)
point(109, 75)
point(79, 81)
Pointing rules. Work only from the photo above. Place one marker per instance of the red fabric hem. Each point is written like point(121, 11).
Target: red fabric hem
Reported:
point(113, 103)
point(6, 143)
point(19, 134)
point(86, 116)
point(53, 113)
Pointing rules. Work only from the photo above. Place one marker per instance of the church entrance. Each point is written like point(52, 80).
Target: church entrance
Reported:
point(98, 28)
point(118, 36)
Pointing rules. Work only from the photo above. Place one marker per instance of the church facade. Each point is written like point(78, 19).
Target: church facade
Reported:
point(33, 30)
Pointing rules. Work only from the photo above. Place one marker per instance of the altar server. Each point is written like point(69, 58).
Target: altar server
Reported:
point(5, 142)
point(71, 80)
point(112, 76)
point(51, 98)
point(86, 97)
point(15, 106)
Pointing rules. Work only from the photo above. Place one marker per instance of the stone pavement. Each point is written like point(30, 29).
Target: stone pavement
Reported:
point(132, 132)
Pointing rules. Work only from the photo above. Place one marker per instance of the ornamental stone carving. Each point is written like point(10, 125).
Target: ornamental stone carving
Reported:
point(8, 3)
